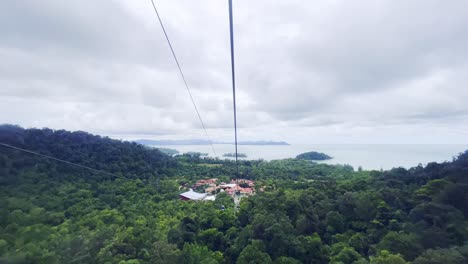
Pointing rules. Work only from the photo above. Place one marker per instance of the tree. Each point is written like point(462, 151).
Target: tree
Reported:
point(163, 252)
point(194, 254)
point(3, 246)
point(310, 249)
point(384, 213)
point(403, 243)
point(286, 260)
point(347, 255)
point(455, 195)
point(212, 238)
point(440, 256)
point(223, 199)
point(360, 243)
point(253, 254)
point(429, 191)
point(335, 222)
point(175, 237)
point(385, 257)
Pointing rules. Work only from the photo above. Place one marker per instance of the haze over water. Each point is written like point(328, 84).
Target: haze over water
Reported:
point(368, 156)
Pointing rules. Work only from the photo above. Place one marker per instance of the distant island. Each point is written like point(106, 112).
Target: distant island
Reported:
point(313, 155)
point(263, 143)
point(233, 155)
point(196, 154)
point(150, 142)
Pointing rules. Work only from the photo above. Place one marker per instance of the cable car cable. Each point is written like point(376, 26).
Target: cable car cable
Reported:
point(183, 76)
point(59, 160)
point(233, 75)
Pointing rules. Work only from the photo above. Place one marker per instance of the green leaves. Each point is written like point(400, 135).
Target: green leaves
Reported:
point(307, 212)
point(405, 244)
point(385, 257)
point(254, 254)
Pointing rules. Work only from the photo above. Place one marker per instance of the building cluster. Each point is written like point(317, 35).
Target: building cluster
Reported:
point(210, 187)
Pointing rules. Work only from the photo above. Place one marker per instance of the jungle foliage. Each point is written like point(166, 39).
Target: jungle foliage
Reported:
point(308, 213)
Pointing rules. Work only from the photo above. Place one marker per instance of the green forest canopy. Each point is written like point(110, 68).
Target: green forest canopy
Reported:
point(308, 213)
point(240, 155)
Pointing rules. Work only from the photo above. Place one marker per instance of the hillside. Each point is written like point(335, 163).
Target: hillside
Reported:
point(307, 213)
point(122, 158)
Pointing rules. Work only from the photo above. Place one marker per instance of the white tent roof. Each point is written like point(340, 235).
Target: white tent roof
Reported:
point(210, 198)
point(193, 195)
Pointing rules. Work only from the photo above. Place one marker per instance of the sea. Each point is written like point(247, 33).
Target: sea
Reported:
point(366, 156)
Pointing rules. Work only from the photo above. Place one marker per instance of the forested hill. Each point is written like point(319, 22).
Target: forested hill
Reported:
point(117, 157)
point(303, 212)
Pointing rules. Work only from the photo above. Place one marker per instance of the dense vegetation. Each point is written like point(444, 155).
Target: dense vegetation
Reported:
point(168, 151)
point(232, 155)
point(313, 155)
point(309, 213)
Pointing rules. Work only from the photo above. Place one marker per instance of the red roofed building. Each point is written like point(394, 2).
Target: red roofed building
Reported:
point(239, 181)
point(230, 191)
point(211, 182)
point(247, 191)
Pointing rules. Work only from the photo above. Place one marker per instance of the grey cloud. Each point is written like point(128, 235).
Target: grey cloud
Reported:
point(355, 48)
point(328, 70)
point(89, 29)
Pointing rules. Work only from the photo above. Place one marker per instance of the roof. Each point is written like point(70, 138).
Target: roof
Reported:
point(229, 185)
point(210, 198)
point(193, 195)
point(246, 190)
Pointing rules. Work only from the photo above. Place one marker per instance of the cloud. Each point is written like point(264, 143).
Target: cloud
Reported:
point(324, 71)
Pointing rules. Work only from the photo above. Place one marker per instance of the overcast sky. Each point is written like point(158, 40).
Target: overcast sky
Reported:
point(324, 71)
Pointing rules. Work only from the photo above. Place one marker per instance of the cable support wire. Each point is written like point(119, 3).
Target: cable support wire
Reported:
point(57, 159)
point(183, 76)
point(233, 75)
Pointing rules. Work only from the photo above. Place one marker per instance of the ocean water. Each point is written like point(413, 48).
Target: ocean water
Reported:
point(371, 156)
